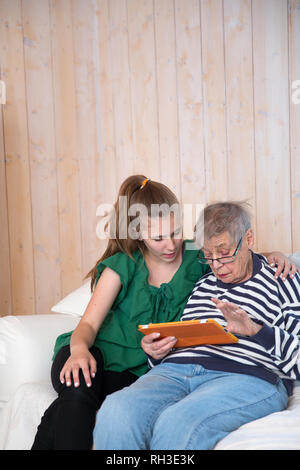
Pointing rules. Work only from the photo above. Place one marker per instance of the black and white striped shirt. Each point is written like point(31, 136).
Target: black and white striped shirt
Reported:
point(274, 351)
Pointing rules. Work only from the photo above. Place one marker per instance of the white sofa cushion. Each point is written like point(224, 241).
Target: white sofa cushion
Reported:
point(21, 416)
point(26, 348)
point(76, 302)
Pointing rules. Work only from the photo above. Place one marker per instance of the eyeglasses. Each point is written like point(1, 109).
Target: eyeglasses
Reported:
point(223, 259)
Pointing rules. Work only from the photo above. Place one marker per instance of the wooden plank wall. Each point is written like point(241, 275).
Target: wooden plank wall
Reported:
point(194, 93)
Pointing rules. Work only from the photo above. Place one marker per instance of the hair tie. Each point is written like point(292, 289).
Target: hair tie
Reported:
point(144, 183)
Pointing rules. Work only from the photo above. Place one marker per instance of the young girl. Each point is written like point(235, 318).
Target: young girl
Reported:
point(138, 280)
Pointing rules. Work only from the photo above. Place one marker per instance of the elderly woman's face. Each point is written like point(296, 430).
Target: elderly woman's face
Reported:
point(221, 245)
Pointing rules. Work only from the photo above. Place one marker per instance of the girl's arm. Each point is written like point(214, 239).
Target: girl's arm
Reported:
point(84, 335)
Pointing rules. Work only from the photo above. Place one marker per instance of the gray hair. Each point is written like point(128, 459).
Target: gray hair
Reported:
point(231, 217)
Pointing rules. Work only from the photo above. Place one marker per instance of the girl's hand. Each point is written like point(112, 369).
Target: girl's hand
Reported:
point(285, 267)
point(237, 319)
point(157, 348)
point(84, 335)
point(80, 359)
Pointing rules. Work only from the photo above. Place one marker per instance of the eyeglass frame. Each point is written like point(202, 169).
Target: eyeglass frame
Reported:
point(234, 255)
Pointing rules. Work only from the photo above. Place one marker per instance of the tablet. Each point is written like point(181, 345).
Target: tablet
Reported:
point(191, 333)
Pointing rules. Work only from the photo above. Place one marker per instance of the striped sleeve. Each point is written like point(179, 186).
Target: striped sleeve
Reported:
point(282, 339)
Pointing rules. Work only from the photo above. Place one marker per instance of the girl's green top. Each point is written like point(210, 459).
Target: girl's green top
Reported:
point(139, 303)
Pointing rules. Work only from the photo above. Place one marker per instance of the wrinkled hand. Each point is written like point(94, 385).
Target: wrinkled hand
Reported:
point(157, 348)
point(238, 322)
point(285, 267)
point(80, 359)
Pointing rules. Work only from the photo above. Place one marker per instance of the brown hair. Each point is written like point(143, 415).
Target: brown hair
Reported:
point(135, 192)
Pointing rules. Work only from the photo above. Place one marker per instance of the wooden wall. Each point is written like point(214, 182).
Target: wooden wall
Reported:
point(194, 93)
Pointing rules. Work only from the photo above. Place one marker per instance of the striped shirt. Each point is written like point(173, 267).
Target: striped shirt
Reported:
point(275, 304)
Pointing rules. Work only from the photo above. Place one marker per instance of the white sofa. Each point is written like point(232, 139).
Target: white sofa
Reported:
point(26, 346)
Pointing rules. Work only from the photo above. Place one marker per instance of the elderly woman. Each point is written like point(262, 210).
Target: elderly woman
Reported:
point(193, 397)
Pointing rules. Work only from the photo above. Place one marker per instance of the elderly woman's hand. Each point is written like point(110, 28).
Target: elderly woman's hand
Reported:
point(285, 267)
point(238, 322)
point(157, 348)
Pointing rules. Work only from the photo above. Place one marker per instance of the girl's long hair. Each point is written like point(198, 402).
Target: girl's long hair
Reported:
point(151, 193)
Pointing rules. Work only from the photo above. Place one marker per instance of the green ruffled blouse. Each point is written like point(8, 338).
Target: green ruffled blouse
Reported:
point(139, 303)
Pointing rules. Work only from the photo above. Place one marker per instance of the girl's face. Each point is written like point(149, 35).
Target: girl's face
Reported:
point(163, 239)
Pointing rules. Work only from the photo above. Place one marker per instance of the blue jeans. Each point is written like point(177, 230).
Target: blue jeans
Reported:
point(185, 407)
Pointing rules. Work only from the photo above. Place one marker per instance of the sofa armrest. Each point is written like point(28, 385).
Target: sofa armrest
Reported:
point(26, 348)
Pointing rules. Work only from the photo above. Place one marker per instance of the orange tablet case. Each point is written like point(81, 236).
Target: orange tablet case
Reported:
point(191, 333)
